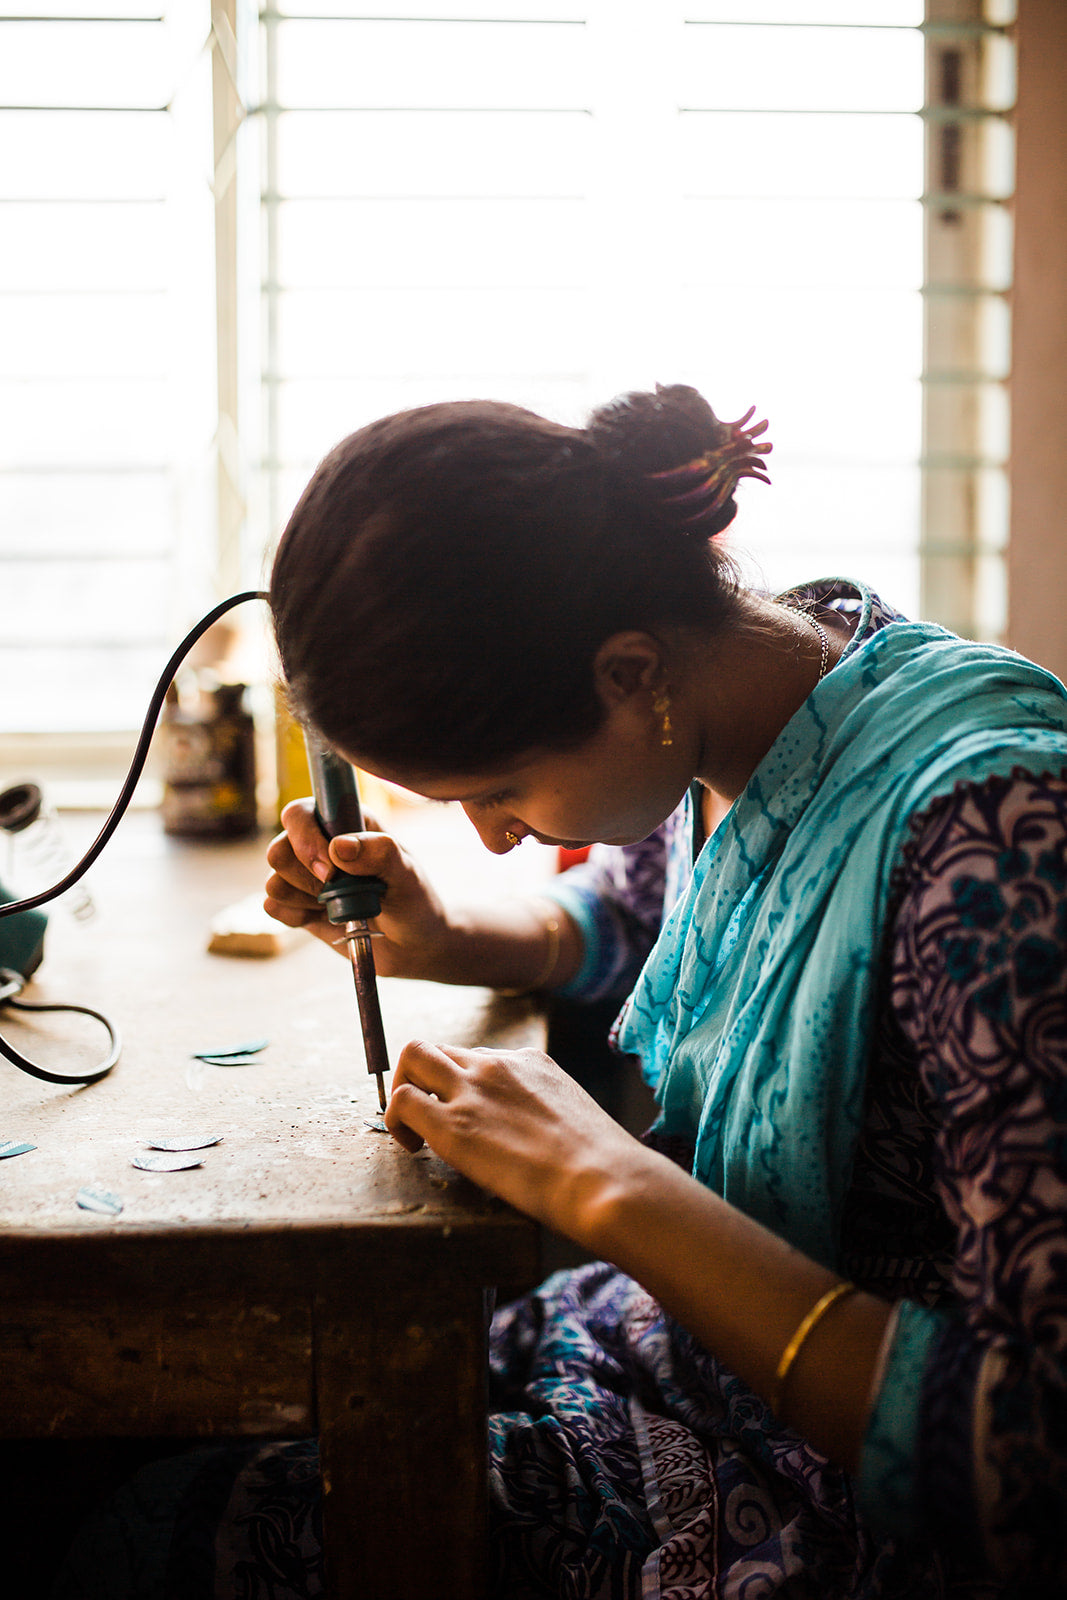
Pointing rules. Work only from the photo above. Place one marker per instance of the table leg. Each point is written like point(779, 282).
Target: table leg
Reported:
point(401, 1400)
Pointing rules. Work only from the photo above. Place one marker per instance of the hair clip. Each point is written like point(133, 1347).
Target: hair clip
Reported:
point(707, 482)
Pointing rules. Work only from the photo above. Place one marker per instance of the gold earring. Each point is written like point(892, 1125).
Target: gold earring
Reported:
point(512, 838)
point(661, 705)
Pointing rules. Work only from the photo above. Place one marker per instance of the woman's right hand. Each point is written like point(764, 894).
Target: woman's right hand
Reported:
point(413, 926)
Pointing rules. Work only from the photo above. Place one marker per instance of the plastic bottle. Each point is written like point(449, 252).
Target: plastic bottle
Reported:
point(36, 852)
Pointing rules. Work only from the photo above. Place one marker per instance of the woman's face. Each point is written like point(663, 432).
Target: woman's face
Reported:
point(616, 788)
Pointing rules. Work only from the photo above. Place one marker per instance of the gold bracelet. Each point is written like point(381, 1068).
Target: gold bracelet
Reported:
point(551, 929)
point(792, 1349)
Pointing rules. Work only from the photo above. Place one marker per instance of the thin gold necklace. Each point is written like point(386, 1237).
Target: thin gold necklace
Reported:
point(824, 642)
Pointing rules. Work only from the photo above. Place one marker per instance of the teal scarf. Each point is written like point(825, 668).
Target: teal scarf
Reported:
point(754, 1013)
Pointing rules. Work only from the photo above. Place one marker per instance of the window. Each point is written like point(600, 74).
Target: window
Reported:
point(232, 237)
point(970, 94)
point(106, 356)
point(596, 197)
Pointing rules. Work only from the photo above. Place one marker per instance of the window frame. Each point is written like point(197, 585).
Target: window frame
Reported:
point(963, 521)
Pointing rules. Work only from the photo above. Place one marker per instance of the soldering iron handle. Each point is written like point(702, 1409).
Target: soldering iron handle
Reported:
point(333, 783)
point(345, 897)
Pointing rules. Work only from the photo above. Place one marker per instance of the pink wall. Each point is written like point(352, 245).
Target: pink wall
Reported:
point(1037, 557)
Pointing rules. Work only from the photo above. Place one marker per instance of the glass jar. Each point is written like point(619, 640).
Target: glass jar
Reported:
point(36, 853)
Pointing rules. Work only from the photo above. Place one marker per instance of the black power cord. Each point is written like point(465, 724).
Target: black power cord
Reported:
point(11, 983)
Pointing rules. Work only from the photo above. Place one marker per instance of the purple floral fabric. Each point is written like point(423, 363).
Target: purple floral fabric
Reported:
point(979, 989)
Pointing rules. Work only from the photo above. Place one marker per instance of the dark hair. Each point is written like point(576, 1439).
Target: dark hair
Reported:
point(444, 583)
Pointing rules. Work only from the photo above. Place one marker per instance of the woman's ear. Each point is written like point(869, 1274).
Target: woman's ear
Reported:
point(627, 664)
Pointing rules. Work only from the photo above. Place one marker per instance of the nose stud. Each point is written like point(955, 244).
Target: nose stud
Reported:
point(512, 838)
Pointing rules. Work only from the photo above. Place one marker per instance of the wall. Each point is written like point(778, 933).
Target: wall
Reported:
point(1037, 559)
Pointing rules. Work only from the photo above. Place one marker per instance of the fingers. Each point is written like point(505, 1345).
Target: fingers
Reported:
point(301, 853)
point(373, 853)
point(431, 1069)
point(303, 859)
point(291, 890)
point(279, 903)
point(509, 1120)
point(425, 1076)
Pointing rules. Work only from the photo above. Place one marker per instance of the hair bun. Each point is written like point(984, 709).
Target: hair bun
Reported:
point(670, 446)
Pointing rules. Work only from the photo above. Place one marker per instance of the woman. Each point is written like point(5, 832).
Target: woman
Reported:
point(828, 1356)
point(854, 1018)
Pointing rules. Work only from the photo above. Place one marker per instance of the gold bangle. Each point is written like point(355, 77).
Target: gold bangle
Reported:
point(550, 926)
point(792, 1349)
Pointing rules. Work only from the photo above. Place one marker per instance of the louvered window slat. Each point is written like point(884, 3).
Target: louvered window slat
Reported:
point(544, 202)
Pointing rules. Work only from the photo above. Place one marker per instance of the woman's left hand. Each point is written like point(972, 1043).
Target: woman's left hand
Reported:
point(515, 1123)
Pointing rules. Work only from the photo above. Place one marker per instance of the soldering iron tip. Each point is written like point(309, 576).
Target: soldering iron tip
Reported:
point(381, 1091)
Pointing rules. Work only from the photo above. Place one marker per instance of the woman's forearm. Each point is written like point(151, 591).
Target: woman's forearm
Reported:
point(743, 1293)
point(516, 1124)
point(515, 944)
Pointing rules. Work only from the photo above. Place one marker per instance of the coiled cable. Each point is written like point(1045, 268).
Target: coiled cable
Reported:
point(11, 983)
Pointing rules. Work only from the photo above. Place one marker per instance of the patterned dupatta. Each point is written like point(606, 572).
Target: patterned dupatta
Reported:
point(754, 1012)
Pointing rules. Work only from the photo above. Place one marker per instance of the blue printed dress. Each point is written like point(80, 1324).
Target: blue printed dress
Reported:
point(624, 1460)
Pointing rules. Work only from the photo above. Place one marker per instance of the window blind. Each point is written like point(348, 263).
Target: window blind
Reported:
point(106, 351)
point(798, 206)
point(552, 202)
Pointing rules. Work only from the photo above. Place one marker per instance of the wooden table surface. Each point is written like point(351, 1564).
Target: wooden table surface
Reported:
point(309, 1275)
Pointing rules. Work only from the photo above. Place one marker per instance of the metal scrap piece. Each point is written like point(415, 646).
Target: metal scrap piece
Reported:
point(252, 1048)
point(168, 1162)
point(15, 1147)
point(101, 1200)
point(185, 1141)
point(229, 1061)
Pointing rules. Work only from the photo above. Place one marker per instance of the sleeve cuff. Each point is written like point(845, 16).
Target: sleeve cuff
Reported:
point(578, 908)
point(887, 1478)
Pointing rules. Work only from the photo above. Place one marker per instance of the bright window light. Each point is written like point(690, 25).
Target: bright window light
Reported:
point(543, 201)
point(556, 203)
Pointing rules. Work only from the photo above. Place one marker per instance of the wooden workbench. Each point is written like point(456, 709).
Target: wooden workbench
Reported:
point(308, 1277)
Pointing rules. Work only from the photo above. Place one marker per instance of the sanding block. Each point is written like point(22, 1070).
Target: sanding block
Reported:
point(245, 929)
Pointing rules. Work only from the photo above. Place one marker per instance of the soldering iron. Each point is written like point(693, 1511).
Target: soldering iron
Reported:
point(348, 901)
